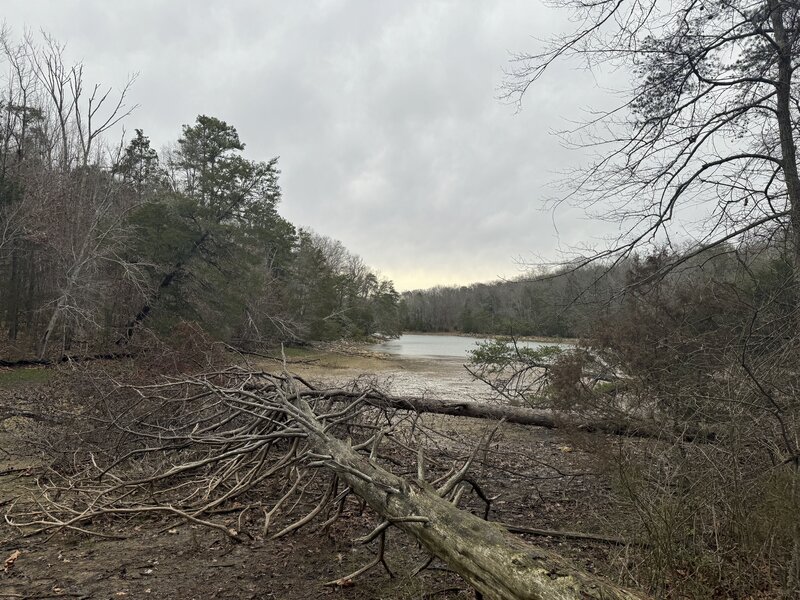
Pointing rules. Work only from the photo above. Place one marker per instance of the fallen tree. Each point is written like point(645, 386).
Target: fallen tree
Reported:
point(494, 562)
point(192, 447)
point(519, 414)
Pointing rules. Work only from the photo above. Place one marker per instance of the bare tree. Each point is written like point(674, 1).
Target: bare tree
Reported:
point(711, 117)
point(62, 206)
point(80, 123)
point(80, 120)
point(705, 142)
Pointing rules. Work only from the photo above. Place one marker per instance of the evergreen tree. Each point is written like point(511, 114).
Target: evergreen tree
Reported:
point(217, 225)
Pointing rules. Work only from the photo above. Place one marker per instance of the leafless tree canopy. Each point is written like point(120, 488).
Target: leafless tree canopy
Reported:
point(706, 137)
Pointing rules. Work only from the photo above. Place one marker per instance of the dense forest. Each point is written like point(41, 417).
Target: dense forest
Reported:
point(561, 303)
point(571, 302)
point(99, 241)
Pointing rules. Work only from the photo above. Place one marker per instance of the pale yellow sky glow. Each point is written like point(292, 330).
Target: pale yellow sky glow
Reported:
point(423, 278)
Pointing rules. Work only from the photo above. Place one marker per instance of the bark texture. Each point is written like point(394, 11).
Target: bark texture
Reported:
point(493, 561)
point(526, 416)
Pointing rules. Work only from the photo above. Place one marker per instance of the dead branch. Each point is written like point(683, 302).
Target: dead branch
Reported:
point(192, 446)
point(520, 415)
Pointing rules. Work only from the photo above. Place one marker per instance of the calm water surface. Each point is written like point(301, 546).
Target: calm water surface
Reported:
point(435, 346)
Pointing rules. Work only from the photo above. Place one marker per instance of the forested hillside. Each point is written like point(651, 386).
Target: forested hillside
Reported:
point(100, 240)
point(558, 304)
point(570, 302)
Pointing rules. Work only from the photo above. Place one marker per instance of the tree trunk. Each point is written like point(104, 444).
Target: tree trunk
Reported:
point(166, 281)
point(524, 416)
point(51, 324)
point(493, 561)
point(73, 276)
point(786, 131)
point(144, 312)
point(12, 307)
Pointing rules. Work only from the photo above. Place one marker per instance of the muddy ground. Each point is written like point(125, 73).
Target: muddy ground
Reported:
point(538, 479)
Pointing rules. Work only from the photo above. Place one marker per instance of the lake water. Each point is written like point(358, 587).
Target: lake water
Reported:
point(435, 346)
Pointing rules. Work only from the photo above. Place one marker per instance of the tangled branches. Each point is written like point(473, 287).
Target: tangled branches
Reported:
point(196, 446)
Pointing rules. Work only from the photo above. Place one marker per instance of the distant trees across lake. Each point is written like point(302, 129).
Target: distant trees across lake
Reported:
point(570, 302)
point(552, 306)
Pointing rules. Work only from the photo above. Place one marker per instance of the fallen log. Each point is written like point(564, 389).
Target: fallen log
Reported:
point(25, 362)
point(487, 556)
point(8, 412)
point(518, 414)
point(65, 358)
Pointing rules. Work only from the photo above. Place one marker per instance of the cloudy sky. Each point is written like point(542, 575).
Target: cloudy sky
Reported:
point(385, 115)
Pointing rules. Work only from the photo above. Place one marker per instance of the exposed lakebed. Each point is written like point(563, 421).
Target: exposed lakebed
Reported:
point(413, 364)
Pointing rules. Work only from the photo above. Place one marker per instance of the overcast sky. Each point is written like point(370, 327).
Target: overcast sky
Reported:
point(385, 115)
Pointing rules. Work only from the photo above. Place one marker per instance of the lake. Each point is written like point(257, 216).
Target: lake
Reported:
point(437, 346)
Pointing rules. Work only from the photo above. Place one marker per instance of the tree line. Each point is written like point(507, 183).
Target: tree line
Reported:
point(100, 240)
point(560, 303)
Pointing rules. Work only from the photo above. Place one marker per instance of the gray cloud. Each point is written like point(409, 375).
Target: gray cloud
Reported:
point(384, 115)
